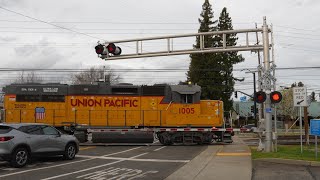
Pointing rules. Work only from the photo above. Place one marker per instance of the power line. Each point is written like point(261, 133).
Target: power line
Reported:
point(114, 22)
point(149, 70)
point(61, 27)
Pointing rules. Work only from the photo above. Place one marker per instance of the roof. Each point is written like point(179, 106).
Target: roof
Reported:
point(185, 89)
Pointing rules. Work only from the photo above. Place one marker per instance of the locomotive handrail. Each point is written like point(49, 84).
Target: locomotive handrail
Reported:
point(169, 105)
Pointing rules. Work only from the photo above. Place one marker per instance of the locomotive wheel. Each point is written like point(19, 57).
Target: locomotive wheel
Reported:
point(161, 139)
point(165, 139)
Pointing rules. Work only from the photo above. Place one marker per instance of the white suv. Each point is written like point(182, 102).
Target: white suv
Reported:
point(18, 142)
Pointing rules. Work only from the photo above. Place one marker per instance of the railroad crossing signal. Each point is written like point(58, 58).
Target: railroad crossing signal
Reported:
point(275, 97)
point(260, 97)
point(111, 48)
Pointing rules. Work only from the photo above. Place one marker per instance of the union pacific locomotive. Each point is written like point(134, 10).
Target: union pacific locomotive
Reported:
point(174, 113)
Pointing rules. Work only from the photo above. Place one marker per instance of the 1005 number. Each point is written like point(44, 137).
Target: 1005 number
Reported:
point(186, 110)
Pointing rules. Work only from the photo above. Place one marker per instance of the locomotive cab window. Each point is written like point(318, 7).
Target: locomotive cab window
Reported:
point(187, 98)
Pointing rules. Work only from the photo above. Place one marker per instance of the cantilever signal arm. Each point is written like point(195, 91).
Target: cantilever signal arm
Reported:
point(246, 94)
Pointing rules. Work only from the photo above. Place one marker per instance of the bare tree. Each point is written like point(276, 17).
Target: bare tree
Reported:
point(30, 77)
point(95, 74)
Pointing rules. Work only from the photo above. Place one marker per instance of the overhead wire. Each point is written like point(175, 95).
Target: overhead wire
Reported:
point(61, 27)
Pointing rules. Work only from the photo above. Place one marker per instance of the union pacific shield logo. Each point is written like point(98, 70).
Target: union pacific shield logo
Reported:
point(40, 112)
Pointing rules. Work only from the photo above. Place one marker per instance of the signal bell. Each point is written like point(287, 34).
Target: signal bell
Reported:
point(260, 97)
point(275, 97)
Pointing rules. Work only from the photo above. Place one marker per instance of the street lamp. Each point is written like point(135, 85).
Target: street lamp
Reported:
point(254, 92)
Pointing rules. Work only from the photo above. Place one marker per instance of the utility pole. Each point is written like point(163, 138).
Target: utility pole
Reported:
point(260, 112)
point(254, 101)
point(267, 86)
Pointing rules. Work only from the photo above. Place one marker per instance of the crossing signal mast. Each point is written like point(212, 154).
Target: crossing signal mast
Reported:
point(109, 51)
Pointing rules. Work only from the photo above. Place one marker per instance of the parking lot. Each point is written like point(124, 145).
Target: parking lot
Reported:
point(108, 162)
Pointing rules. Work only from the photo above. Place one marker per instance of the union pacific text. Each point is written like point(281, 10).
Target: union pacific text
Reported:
point(104, 102)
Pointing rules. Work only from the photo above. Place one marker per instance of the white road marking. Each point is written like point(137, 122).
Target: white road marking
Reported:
point(48, 167)
point(9, 169)
point(95, 167)
point(159, 148)
point(132, 159)
point(117, 174)
point(73, 162)
point(122, 151)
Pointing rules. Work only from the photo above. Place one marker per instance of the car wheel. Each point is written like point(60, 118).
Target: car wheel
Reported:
point(20, 157)
point(70, 152)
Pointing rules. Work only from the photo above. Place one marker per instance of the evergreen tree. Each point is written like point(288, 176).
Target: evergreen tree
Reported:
point(200, 69)
point(213, 71)
point(227, 59)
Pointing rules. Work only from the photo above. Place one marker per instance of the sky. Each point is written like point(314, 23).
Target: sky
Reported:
point(59, 34)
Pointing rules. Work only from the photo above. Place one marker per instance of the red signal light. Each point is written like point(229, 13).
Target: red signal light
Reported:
point(113, 49)
point(105, 50)
point(100, 49)
point(275, 97)
point(260, 97)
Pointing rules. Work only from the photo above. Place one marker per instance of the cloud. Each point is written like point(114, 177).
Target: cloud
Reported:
point(11, 3)
point(38, 55)
point(8, 38)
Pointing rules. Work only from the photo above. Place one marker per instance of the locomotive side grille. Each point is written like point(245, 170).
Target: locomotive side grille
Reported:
point(153, 90)
point(122, 90)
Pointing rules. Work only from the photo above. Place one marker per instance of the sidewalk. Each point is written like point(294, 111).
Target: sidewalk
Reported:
point(226, 162)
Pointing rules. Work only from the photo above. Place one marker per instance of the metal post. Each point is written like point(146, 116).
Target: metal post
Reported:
point(316, 139)
point(254, 101)
point(267, 83)
point(274, 88)
point(260, 111)
point(275, 128)
point(300, 124)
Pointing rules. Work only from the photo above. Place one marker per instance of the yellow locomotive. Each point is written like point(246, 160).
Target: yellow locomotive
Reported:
point(174, 112)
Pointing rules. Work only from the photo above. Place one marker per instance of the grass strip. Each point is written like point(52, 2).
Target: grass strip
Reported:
point(288, 152)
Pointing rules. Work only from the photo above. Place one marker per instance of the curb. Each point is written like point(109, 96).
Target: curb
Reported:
point(290, 161)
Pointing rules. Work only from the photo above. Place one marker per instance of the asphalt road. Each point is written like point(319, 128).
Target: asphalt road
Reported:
point(107, 162)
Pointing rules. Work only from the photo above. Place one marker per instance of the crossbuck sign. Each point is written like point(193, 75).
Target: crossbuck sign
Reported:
point(300, 96)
